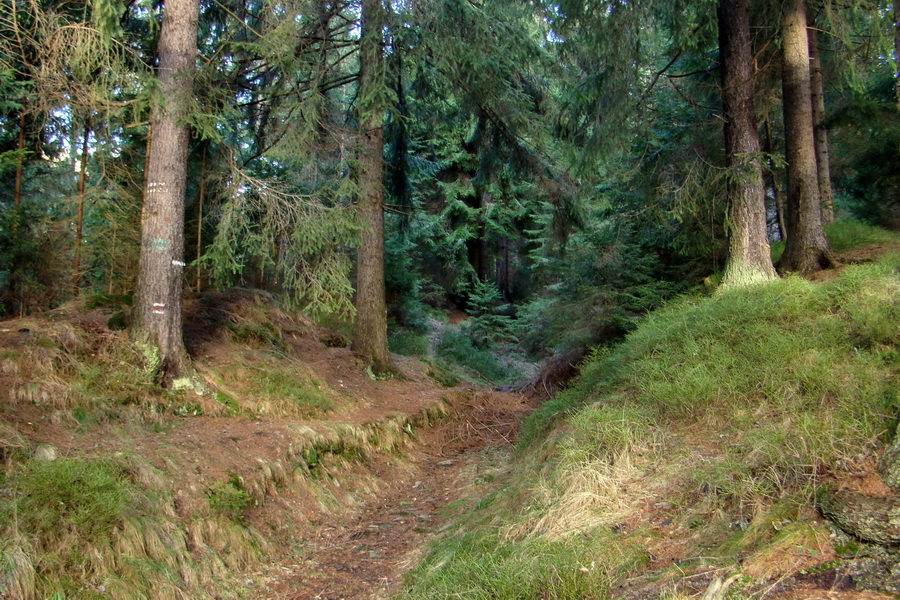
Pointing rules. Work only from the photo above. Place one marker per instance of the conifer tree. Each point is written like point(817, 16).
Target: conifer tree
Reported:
point(749, 259)
point(158, 302)
point(823, 160)
point(806, 250)
point(370, 328)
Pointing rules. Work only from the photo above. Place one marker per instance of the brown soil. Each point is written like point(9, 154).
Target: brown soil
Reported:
point(363, 554)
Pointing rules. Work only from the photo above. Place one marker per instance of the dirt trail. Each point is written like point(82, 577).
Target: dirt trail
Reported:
point(363, 554)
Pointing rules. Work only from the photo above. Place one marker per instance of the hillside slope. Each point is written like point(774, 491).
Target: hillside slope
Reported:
point(115, 488)
point(697, 458)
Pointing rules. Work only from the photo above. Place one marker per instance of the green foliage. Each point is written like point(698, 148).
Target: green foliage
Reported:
point(114, 301)
point(300, 236)
point(459, 348)
point(865, 140)
point(228, 498)
point(486, 324)
point(402, 277)
point(606, 281)
point(408, 343)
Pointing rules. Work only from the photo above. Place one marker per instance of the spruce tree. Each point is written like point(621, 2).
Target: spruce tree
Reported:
point(807, 249)
point(158, 300)
point(370, 328)
point(749, 259)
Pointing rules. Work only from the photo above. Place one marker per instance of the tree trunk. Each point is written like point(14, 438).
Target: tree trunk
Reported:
point(79, 213)
point(806, 250)
point(870, 519)
point(158, 326)
point(749, 257)
point(370, 328)
point(823, 162)
point(200, 213)
point(897, 50)
point(889, 465)
point(20, 161)
point(14, 300)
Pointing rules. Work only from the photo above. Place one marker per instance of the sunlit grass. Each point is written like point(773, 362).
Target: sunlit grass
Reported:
point(729, 410)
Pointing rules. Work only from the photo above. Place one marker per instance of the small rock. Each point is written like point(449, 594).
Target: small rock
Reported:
point(101, 588)
point(445, 463)
point(248, 582)
point(45, 453)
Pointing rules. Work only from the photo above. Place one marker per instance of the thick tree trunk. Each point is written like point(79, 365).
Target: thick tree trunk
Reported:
point(806, 250)
point(79, 212)
point(823, 162)
point(370, 328)
point(749, 257)
point(157, 325)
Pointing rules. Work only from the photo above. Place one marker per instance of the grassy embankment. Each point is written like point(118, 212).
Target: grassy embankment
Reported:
point(112, 487)
point(693, 450)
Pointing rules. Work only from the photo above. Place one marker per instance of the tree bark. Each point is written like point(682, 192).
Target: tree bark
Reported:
point(806, 250)
point(200, 213)
point(79, 212)
point(20, 161)
point(875, 520)
point(14, 299)
point(889, 465)
point(749, 257)
point(823, 162)
point(158, 326)
point(370, 328)
point(897, 50)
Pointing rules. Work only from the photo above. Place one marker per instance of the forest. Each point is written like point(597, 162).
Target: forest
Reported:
point(670, 226)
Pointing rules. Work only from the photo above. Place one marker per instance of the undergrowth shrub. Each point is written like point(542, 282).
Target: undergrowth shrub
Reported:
point(228, 498)
point(487, 324)
point(85, 497)
point(408, 342)
point(459, 347)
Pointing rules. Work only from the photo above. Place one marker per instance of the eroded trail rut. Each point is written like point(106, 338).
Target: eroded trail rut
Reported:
point(363, 553)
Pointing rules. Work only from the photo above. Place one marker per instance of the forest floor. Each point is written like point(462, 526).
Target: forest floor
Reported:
point(366, 514)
